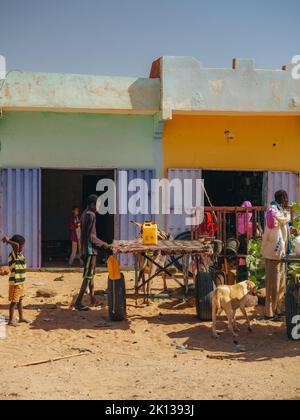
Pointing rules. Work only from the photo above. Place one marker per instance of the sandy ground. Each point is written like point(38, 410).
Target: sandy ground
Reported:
point(137, 359)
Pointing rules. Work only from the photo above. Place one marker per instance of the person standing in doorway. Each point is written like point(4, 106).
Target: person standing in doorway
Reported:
point(276, 245)
point(75, 232)
point(89, 250)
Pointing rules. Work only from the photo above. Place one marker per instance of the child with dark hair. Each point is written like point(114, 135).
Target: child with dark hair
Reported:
point(75, 231)
point(17, 267)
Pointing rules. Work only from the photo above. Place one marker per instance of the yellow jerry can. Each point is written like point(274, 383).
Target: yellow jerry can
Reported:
point(150, 233)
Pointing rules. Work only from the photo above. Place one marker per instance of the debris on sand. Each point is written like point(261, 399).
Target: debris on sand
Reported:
point(46, 293)
point(182, 349)
point(239, 348)
point(91, 336)
point(61, 278)
point(82, 350)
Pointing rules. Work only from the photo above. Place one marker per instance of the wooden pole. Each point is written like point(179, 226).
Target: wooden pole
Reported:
point(57, 359)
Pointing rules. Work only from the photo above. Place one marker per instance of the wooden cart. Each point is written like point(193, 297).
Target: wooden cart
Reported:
point(200, 251)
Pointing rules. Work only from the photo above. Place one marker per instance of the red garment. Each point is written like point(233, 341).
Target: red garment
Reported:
point(208, 227)
point(73, 226)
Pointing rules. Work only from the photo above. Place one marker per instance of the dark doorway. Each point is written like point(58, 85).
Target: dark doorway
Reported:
point(232, 188)
point(61, 190)
point(105, 223)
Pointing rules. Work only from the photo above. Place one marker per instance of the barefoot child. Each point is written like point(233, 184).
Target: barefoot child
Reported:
point(17, 267)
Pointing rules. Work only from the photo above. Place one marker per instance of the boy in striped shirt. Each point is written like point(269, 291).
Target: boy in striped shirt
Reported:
point(17, 267)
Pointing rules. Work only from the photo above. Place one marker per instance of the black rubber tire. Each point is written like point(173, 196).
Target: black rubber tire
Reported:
point(292, 307)
point(117, 299)
point(204, 289)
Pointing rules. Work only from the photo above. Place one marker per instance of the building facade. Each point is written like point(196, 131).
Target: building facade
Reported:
point(60, 135)
point(238, 129)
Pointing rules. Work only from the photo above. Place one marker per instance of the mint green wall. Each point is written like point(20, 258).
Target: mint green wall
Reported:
point(52, 91)
point(46, 139)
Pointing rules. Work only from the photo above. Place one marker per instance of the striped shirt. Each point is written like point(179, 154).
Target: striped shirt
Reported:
point(17, 266)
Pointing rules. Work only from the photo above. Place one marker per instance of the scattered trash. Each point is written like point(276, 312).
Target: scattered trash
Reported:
point(38, 284)
point(182, 349)
point(48, 319)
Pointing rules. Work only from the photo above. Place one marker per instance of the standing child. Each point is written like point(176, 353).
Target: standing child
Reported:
point(75, 231)
point(17, 267)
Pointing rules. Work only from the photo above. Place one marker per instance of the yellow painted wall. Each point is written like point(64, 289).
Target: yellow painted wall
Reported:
point(199, 142)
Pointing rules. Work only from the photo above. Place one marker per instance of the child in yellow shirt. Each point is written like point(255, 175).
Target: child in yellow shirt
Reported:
point(17, 278)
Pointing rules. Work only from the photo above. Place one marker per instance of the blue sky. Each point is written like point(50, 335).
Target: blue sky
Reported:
point(123, 37)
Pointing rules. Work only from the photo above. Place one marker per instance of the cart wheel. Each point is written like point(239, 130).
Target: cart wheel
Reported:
point(117, 299)
point(204, 293)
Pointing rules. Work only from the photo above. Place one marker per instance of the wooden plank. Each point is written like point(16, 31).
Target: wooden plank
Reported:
point(164, 247)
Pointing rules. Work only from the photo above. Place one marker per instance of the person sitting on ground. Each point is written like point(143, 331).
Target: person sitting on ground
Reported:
point(17, 267)
point(89, 249)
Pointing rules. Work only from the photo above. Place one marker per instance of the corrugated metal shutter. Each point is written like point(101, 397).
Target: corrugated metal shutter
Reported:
point(126, 230)
point(21, 205)
point(176, 222)
point(288, 181)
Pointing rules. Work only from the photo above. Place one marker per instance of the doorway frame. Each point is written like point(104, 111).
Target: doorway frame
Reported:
point(72, 169)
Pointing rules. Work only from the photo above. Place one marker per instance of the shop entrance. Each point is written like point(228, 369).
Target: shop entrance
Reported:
point(232, 188)
point(61, 190)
